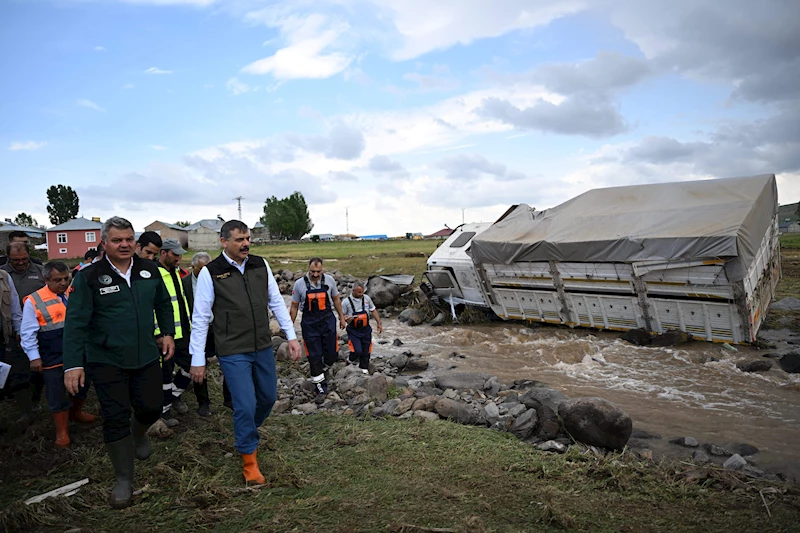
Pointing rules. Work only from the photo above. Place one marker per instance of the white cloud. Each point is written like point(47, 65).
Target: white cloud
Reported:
point(99, 49)
point(237, 87)
point(432, 83)
point(83, 102)
point(156, 70)
point(425, 26)
point(26, 145)
point(310, 50)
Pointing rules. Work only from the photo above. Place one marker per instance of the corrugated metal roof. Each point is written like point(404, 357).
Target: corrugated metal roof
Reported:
point(30, 230)
point(170, 226)
point(77, 224)
point(208, 223)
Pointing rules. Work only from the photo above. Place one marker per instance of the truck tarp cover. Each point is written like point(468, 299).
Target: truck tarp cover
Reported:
point(718, 218)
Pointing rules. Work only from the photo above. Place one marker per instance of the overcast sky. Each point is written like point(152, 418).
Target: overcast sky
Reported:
point(408, 114)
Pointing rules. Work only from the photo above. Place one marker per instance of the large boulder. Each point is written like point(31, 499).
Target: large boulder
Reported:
point(412, 316)
point(596, 422)
point(791, 362)
point(549, 397)
point(383, 292)
point(377, 386)
point(416, 364)
point(639, 337)
point(548, 425)
point(462, 380)
point(524, 424)
point(759, 365)
point(671, 337)
point(457, 411)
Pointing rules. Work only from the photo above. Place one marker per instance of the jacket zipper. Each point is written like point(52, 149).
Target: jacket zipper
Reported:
point(250, 301)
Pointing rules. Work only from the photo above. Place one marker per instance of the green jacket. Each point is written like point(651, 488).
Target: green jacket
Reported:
point(111, 323)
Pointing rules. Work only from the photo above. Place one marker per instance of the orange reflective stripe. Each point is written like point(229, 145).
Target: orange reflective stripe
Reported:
point(305, 346)
point(54, 366)
point(350, 345)
point(370, 348)
point(320, 298)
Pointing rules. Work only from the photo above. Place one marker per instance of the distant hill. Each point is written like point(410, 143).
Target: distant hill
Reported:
point(788, 211)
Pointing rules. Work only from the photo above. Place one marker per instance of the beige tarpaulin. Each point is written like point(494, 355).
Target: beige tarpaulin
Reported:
point(719, 218)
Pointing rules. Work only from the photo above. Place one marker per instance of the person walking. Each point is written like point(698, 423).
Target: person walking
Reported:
point(174, 386)
point(108, 336)
point(42, 330)
point(357, 308)
point(319, 295)
point(200, 260)
point(10, 324)
point(237, 289)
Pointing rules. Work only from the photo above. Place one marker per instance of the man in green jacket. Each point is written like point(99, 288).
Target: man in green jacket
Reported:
point(108, 335)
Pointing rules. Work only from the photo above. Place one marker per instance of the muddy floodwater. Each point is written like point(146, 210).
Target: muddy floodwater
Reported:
point(693, 390)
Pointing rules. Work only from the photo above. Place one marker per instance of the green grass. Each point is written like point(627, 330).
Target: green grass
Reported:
point(336, 474)
point(790, 240)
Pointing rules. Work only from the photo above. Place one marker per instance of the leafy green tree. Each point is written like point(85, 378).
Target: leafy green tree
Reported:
point(64, 204)
point(24, 219)
point(287, 218)
point(183, 223)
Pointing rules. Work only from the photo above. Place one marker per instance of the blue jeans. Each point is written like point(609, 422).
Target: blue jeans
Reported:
point(253, 382)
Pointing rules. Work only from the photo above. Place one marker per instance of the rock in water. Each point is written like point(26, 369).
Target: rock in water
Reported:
point(462, 380)
point(734, 462)
point(439, 320)
point(761, 365)
point(672, 337)
point(596, 422)
point(787, 304)
point(639, 337)
point(687, 442)
point(791, 362)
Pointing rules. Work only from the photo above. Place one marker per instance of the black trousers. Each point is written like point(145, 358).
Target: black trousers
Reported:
point(122, 390)
point(20, 376)
point(173, 387)
point(56, 393)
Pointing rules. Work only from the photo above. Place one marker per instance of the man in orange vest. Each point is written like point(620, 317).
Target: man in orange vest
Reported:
point(41, 336)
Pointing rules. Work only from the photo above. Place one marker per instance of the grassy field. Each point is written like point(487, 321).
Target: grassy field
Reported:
point(338, 474)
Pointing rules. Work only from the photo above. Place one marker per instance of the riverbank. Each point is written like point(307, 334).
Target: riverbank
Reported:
point(331, 473)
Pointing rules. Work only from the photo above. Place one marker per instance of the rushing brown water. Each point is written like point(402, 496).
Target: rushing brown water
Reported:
point(693, 390)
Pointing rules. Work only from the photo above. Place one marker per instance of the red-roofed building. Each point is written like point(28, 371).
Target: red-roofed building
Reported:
point(441, 234)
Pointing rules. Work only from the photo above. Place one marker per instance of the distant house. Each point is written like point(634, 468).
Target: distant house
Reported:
point(170, 231)
point(374, 237)
point(35, 234)
point(260, 231)
point(204, 235)
point(794, 227)
point(73, 238)
point(441, 234)
point(325, 236)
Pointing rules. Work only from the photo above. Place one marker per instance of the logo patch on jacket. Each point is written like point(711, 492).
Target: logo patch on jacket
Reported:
point(105, 279)
point(222, 276)
point(109, 290)
point(145, 274)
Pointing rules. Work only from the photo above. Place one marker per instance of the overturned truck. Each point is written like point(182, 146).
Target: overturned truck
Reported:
point(698, 256)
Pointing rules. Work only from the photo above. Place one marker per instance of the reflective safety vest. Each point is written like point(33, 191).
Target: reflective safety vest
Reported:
point(50, 312)
point(317, 300)
point(360, 318)
point(166, 275)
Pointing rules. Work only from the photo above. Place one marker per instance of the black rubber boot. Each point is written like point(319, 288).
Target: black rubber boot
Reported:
point(121, 454)
point(140, 439)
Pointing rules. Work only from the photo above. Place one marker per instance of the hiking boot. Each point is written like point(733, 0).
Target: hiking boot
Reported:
point(204, 410)
point(141, 441)
point(121, 454)
point(179, 406)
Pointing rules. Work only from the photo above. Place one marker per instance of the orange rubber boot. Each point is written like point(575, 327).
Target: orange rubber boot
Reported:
point(76, 413)
point(252, 475)
point(62, 432)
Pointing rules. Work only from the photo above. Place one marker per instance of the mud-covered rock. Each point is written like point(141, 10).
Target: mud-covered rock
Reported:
point(596, 422)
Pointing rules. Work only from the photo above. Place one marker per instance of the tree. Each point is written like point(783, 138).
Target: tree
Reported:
point(287, 218)
point(24, 219)
point(63, 204)
point(183, 223)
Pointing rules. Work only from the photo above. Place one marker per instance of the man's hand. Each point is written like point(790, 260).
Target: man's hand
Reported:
point(36, 365)
point(342, 322)
point(167, 347)
point(74, 380)
point(294, 350)
point(197, 373)
point(380, 328)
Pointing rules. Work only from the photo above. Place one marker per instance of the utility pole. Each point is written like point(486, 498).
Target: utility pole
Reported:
point(347, 219)
point(462, 215)
point(239, 199)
